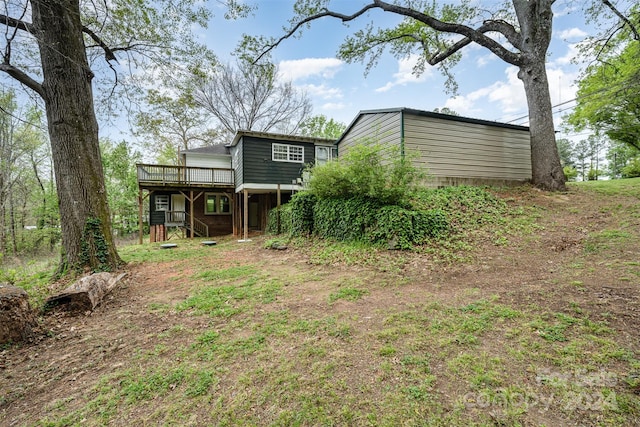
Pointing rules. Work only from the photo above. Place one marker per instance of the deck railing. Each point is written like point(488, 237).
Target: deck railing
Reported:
point(184, 175)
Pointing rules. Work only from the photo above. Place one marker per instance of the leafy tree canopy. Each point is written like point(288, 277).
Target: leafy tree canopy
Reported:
point(608, 96)
point(322, 127)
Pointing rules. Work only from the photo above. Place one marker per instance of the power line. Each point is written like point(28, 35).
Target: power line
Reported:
point(587, 95)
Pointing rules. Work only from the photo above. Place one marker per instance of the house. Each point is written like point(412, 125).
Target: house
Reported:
point(224, 189)
point(453, 150)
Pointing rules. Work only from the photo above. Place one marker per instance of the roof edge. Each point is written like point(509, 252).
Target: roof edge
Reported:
point(284, 137)
point(431, 114)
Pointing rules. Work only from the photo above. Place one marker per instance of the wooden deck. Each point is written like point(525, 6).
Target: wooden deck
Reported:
point(183, 176)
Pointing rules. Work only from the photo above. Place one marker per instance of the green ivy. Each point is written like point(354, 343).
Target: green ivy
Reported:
point(401, 228)
point(302, 213)
point(285, 220)
point(344, 219)
point(94, 248)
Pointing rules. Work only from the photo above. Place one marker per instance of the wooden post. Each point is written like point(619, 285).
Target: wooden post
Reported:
point(233, 213)
point(140, 230)
point(246, 214)
point(191, 214)
point(279, 199)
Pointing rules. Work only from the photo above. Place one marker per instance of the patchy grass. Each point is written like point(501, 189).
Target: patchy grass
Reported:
point(342, 334)
point(617, 187)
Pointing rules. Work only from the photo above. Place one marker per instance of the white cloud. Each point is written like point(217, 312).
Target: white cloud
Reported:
point(297, 69)
point(405, 74)
point(505, 100)
point(572, 54)
point(572, 34)
point(322, 91)
point(333, 106)
point(482, 61)
point(501, 97)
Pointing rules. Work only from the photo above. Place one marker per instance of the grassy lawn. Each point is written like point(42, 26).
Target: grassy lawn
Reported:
point(527, 315)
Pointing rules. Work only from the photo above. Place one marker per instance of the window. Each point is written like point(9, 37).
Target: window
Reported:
point(322, 155)
point(325, 153)
point(287, 153)
point(162, 203)
point(217, 204)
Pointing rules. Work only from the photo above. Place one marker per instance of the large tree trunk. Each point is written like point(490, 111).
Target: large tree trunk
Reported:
point(73, 130)
point(536, 18)
point(546, 167)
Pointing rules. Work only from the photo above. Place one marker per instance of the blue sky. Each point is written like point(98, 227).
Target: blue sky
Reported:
point(488, 88)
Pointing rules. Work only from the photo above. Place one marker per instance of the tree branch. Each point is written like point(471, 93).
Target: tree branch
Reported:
point(634, 30)
point(108, 52)
point(470, 34)
point(23, 78)
point(498, 26)
point(323, 14)
point(16, 23)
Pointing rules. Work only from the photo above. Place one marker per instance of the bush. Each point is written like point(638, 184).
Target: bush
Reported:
point(366, 219)
point(370, 170)
point(632, 169)
point(570, 173)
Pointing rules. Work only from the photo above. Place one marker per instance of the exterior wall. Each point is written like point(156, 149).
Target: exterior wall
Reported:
point(455, 152)
point(452, 150)
point(384, 127)
point(237, 161)
point(219, 224)
point(259, 168)
point(156, 217)
point(207, 160)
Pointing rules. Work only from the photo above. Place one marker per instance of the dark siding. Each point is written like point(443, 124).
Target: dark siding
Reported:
point(258, 168)
point(156, 217)
point(237, 162)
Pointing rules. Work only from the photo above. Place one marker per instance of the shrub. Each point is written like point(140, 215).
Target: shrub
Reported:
point(371, 170)
point(570, 173)
point(362, 218)
point(632, 169)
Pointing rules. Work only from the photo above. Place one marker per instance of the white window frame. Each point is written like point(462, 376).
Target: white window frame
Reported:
point(162, 202)
point(217, 203)
point(292, 152)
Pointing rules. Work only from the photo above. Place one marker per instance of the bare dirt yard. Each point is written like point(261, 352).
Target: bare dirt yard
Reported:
point(533, 323)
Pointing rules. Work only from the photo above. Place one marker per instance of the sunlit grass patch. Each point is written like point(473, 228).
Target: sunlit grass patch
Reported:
point(614, 187)
point(227, 300)
point(347, 293)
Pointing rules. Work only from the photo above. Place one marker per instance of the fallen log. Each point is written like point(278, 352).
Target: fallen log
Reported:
point(85, 294)
point(17, 320)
